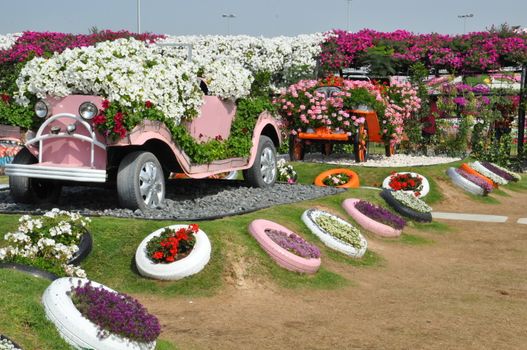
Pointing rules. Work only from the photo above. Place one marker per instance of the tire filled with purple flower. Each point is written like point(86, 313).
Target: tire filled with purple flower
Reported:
point(374, 218)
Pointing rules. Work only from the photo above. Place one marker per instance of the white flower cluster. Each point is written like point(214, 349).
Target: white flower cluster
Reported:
point(5, 344)
point(8, 40)
point(124, 70)
point(411, 201)
point(286, 172)
point(53, 237)
point(227, 79)
point(276, 55)
point(487, 173)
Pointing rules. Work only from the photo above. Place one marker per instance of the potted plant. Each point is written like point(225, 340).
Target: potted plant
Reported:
point(408, 205)
point(89, 315)
point(374, 218)
point(289, 250)
point(335, 232)
point(173, 252)
point(410, 182)
point(341, 177)
point(55, 242)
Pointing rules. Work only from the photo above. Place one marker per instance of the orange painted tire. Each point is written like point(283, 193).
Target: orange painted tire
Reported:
point(352, 183)
point(471, 171)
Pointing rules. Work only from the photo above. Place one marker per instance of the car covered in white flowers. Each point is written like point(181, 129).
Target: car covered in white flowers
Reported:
point(132, 137)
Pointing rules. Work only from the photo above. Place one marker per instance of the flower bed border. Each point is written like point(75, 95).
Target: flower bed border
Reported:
point(281, 256)
point(328, 239)
point(465, 184)
point(403, 209)
point(424, 191)
point(352, 183)
point(74, 328)
point(368, 223)
point(189, 265)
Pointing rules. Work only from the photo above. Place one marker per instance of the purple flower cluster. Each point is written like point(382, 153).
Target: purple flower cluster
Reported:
point(476, 180)
point(469, 52)
point(294, 244)
point(115, 313)
point(32, 44)
point(380, 214)
point(498, 171)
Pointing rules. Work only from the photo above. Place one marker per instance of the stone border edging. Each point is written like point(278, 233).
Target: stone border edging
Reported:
point(469, 217)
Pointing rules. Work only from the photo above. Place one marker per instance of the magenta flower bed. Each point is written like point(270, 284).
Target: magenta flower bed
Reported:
point(115, 313)
point(499, 172)
point(294, 244)
point(476, 180)
point(380, 214)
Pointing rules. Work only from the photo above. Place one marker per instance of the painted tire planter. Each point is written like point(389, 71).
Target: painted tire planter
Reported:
point(403, 209)
point(74, 328)
point(189, 265)
point(369, 224)
point(465, 184)
point(352, 183)
point(474, 172)
point(16, 346)
point(495, 178)
point(284, 258)
point(85, 247)
point(30, 270)
point(309, 216)
point(424, 191)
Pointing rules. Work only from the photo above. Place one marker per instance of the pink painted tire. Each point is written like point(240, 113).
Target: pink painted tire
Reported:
point(369, 224)
point(281, 256)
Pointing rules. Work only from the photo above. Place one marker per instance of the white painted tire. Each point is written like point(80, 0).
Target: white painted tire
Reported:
point(465, 184)
point(368, 223)
point(74, 328)
point(282, 257)
point(309, 216)
point(424, 191)
point(487, 173)
point(189, 265)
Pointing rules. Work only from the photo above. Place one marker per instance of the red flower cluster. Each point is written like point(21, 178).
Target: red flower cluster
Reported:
point(5, 98)
point(406, 182)
point(113, 127)
point(172, 245)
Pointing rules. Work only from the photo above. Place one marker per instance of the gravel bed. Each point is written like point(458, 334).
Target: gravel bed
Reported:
point(378, 160)
point(185, 200)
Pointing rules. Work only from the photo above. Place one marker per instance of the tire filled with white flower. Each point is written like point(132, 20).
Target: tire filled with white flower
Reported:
point(309, 217)
point(424, 191)
point(282, 257)
point(74, 328)
point(369, 224)
point(189, 265)
point(465, 184)
point(496, 179)
point(85, 247)
point(402, 209)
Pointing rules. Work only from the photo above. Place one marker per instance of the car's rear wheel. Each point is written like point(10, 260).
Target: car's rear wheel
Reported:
point(32, 190)
point(140, 181)
point(263, 173)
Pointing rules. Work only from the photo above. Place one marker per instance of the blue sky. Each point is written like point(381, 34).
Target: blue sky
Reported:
point(267, 18)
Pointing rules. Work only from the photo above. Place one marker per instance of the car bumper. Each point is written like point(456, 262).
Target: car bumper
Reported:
point(56, 173)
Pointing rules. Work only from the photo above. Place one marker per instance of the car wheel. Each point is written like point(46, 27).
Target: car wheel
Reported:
point(31, 190)
point(140, 181)
point(263, 173)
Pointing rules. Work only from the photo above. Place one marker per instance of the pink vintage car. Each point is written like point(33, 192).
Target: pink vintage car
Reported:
point(68, 149)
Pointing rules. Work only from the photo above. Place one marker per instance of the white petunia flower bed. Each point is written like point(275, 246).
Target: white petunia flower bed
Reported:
point(8, 40)
point(411, 201)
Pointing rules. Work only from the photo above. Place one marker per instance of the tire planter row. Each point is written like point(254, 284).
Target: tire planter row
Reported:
point(189, 265)
point(366, 222)
point(281, 256)
point(352, 183)
point(474, 172)
point(495, 178)
point(309, 217)
point(403, 209)
point(424, 191)
point(74, 328)
point(463, 183)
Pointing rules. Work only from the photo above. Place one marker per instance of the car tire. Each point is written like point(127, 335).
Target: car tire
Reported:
point(263, 173)
point(31, 190)
point(140, 181)
point(403, 209)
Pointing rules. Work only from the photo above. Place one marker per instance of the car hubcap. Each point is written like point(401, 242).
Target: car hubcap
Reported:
point(151, 184)
point(268, 165)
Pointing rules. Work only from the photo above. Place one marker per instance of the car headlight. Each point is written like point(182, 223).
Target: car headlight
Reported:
point(88, 110)
point(41, 109)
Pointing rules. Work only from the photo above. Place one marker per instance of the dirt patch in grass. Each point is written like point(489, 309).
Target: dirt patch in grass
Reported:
point(466, 290)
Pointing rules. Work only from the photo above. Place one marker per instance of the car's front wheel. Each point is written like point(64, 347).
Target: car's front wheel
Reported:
point(140, 181)
point(263, 173)
point(31, 190)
